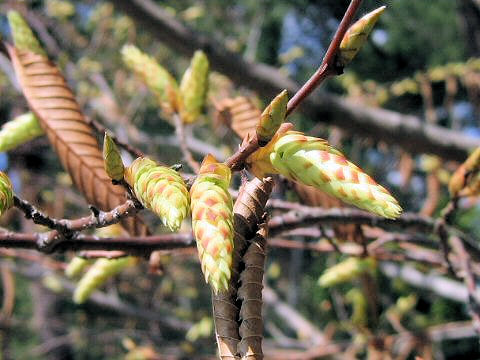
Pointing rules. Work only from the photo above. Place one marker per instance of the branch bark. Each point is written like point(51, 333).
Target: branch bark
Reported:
point(301, 217)
point(379, 124)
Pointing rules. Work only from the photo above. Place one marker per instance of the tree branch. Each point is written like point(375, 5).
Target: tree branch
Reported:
point(64, 229)
point(300, 218)
point(327, 66)
point(469, 280)
point(132, 245)
point(379, 124)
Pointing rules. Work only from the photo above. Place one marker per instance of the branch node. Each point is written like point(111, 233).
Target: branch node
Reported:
point(95, 211)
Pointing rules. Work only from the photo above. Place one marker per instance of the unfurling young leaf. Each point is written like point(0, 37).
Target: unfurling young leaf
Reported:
point(112, 159)
point(159, 189)
point(346, 271)
point(96, 276)
point(272, 117)
point(76, 266)
point(6, 193)
point(312, 161)
point(360, 307)
point(19, 131)
point(156, 77)
point(194, 87)
point(212, 222)
point(466, 179)
point(23, 37)
point(356, 36)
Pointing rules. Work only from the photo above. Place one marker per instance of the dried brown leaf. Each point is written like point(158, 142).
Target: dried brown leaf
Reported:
point(60, 116)
point(239, 113)
point(250, 293)
point(248, 214)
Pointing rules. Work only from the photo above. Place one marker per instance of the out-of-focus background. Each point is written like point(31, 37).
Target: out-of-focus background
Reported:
point(422, 59)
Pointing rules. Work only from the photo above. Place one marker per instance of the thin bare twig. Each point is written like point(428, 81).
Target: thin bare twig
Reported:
point(101, 130)
point(180, 132)
point(469, 279)
point(236, 162)
point(64, 229)
point(328, 66)
point(441, 229)
point(302, 217)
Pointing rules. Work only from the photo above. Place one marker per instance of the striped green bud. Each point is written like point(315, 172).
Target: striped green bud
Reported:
point(312, 161)
point(112, 159)
point(272, 117)
point(194, 87)
point(76, 266)
point(6, 193)
point(23, 37)
point(360, 307)
point(159, 189)
point(212, 222)
point(157, 78)
point(19, 131)
point(97, 275)
point(346, 271)
point(356, 36)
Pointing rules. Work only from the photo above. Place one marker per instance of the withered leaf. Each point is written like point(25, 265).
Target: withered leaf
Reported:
point(239, 113)
point(53, 102)
point(248, 211)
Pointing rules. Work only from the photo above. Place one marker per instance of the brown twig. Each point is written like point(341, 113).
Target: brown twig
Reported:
point(131, 245)
point(101, 130)
point(39, 218)
point(236, 162)
point(107, 254)
point(334, 216)
point(328, 66)
point(441, 229)
point(175, 242)
point(469, 279)
point(302, 217)
point(64, 229)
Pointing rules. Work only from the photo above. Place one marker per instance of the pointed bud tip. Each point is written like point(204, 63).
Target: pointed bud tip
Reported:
point(272, 118)
point(209, 159)
point(373, 16)
point(356, 36)
point(112, 159)
point(23, 37)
